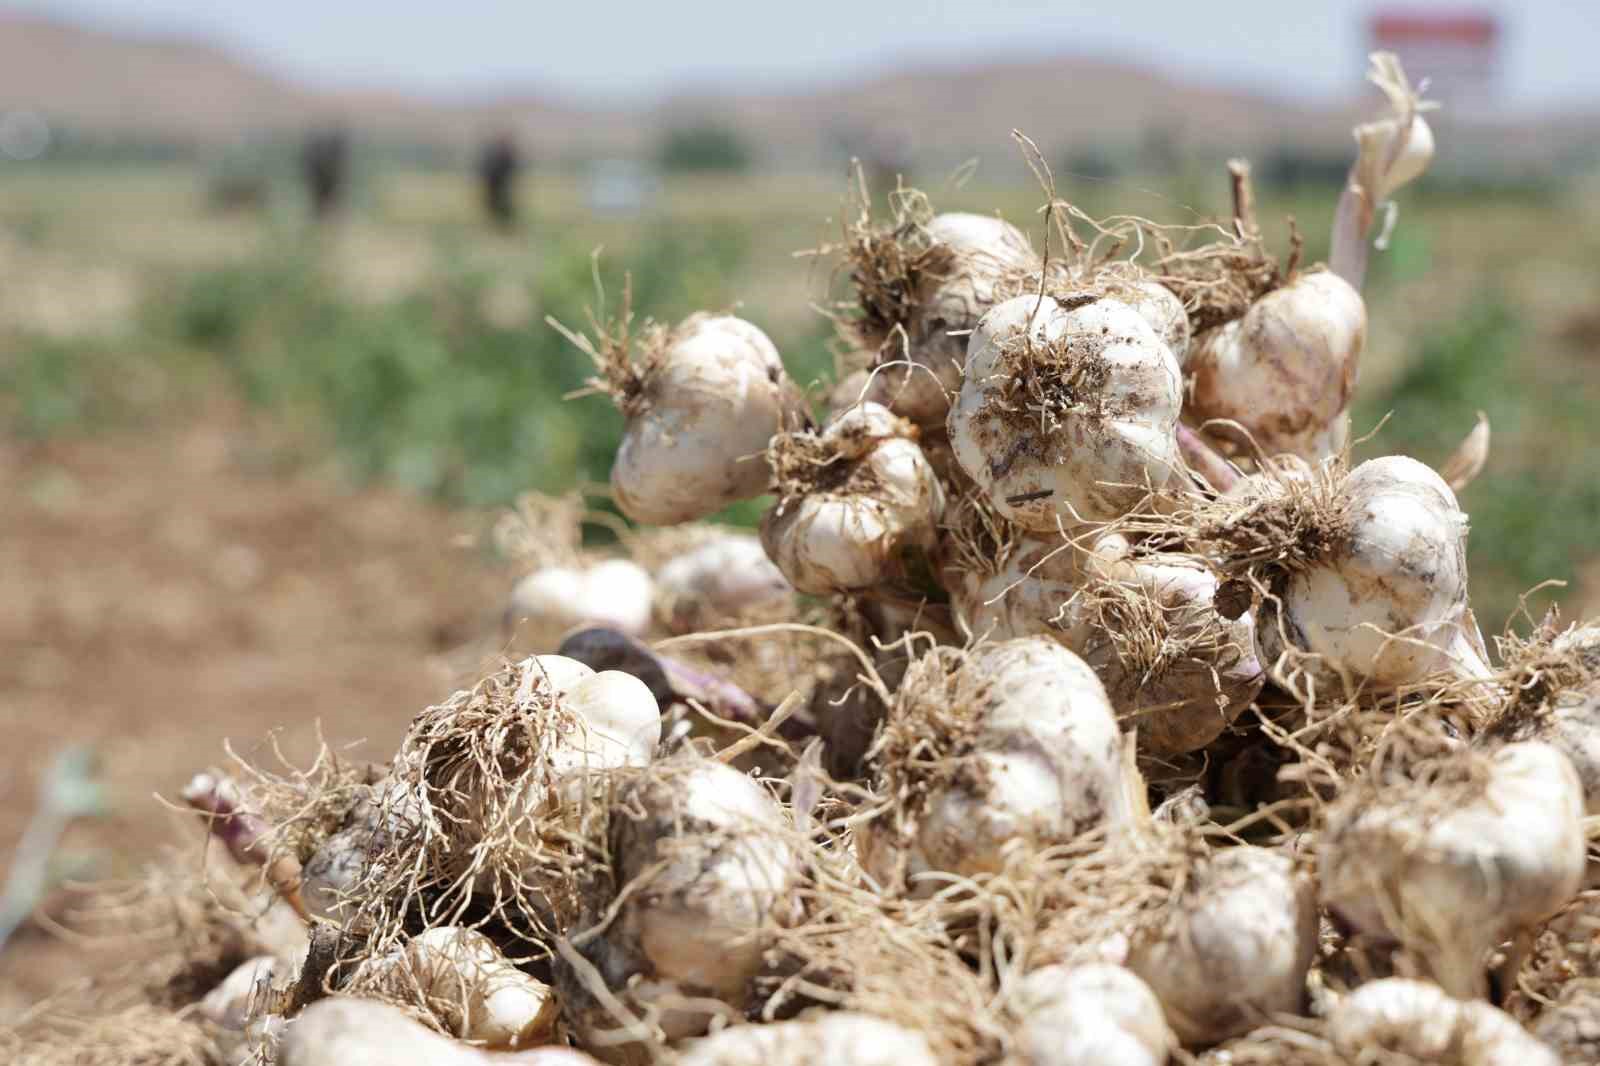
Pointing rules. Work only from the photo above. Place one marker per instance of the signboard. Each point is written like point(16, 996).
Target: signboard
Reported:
point(1457, 51)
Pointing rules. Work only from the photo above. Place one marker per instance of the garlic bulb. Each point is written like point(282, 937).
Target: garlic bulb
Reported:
point(1388, 599)
point(346, 1031)
point(716, 864)
point(1031, 593)
point(1176, 669)
point(1090, 1015)
point(853, 498)
point(614, 592)
point(1286, 369)
point(972, 261)
point(1239, 949)
point(720, 577)
point(699, 419)
point(463, 980)
point(1148, 625)
point(1422, 1021)
point(1027, 752)
point(1571, 1025)
point(838, 1038)
point(1068, 412)
point(1451, 871)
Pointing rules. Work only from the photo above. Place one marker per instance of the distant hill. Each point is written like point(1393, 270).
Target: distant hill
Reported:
point(117, 83)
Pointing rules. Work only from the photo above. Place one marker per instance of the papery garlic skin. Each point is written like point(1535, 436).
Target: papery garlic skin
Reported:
point(1240, 950)
point(839, 1038)
point(1045, 765)
point(1453, 883)
point(1422, 1021)
point(977, 253)
point(1286, 369)
point(880, 499)
point(1108, 440)
point(696, 441)
point(1389, 603)
point(1090, 1015)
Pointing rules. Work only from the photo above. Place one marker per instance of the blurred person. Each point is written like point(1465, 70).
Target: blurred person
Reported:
point(498, 165)
point(325, 164)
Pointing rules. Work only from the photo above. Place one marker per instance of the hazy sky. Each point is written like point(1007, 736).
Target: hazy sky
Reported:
point(607, 48)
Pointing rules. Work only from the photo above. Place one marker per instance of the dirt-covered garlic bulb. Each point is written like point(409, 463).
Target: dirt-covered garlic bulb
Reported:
point(1385, 598)
point(1090, 1015)
point(705, 861)
point(1458, 860)
point(554, 599)
point(1176, 666)
point(1011, 744)
point(1068, 411)
point(1420, 1020)
point(967, 263)
point(1285, 370)
point(838, 1038)
point(1237, 947)
point(701, 402)
point(852, 498)
point(466, 985)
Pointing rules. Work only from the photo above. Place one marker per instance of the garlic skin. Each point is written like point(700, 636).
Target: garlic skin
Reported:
point(838, 1038)
point(1421, 1020)
point(1453, 883)
point(1045, 764)
point(1390, 605)
point(1286, 369)
point(718, 863)
point(875, 497)
point(694, 443)
point(1240, 950)
point(1391, 153)
point(1090, 1015)
point(1109, 438)
point(614, 592)
point(720, 577)
point(977, 253)
point(468, 985)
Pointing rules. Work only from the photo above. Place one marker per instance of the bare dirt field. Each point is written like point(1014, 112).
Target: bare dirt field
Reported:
point(167, 591)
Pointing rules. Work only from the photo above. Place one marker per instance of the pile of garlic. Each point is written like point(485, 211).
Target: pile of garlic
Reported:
point(1155, 729)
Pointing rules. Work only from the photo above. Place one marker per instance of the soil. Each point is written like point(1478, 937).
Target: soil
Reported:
point(164, 591)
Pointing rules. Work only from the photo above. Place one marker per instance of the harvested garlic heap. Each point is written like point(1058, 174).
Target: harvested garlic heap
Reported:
point(1079, 702)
